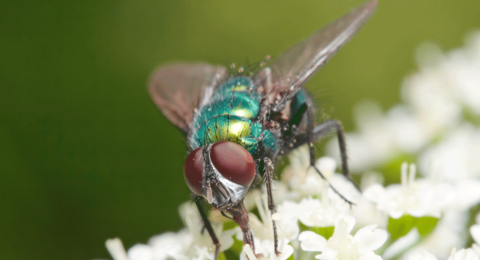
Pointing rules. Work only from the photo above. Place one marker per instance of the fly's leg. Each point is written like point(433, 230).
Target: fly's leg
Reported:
point(311, 139)
point(268, 173)
point(319, 132)
point(208, 226)
point(325, 128)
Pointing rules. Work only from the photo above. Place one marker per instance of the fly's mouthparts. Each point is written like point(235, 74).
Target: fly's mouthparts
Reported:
point(209, 193)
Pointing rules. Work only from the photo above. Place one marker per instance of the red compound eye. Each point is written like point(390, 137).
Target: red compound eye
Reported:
point(233, 162)
point(192, 170)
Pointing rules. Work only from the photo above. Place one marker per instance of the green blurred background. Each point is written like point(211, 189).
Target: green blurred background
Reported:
point(84, 153)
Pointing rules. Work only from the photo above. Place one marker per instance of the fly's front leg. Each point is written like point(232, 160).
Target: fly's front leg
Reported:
point(268, 175)
point(208, 226)
point(311, 139)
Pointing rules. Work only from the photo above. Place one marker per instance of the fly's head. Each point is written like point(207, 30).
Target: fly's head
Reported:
point(220, 172)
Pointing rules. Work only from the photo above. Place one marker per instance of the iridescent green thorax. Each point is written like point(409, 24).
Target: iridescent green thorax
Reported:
point(230, 116)
point(298, 100)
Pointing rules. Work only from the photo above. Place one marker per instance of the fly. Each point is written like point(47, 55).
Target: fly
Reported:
point(236, 126)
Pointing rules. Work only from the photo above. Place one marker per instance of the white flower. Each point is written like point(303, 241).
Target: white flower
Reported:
point(407, 130)
point(263, 230)
point(189, 243)
point(202, 246)
point(372, 144)
point(422, 255)
point(475, 232)
point(342, 245)
point(463, 254)
point(266, 248)
point(191, 217)
point(431, 99)
point(400, 245)
point(116, 249)
point(367, 213)
point(417, 198)
point(302, 178)
point(142, 252)
point(445, 87)
point(168, 245)
point(318, 213)
point(455, 157)
point(463, 66)
point(371, 177)
point(449, 232)
point(289, 222)
point(304, 181)
point(467, 194)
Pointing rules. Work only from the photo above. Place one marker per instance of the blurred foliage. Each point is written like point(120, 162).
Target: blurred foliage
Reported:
point(86, 156)
point(400, 227)
point(325, 232)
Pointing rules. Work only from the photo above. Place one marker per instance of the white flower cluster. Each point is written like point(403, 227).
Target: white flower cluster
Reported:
point(188, 243)
point(437, 122)
point(423, 217)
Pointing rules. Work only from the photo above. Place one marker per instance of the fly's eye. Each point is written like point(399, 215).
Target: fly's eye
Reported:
point(192, 171)
point(233, 162)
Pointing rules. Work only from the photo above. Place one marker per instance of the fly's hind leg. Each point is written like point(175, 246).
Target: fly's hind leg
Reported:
point(322, 130)
point(325, 128)
point(268, 175)
point(208, 226)
point(296, 140)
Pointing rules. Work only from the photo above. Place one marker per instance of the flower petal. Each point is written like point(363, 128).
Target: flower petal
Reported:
point(464, 254)
point(476, 248)
point(369, 238)
point(226, 238)
point(116, 249)
point(370, 256)
point(327, 166)
point(328, 254)
point(422, 255)
point(475, 231)
point(374, 193)
point(141, 252)
point(310, 241)
point(344, 226)
point(286, 252)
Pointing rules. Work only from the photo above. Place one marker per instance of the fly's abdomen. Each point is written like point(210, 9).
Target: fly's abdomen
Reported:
point(229, 117)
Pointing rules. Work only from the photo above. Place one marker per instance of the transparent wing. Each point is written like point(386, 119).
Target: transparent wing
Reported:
point(179, 89)
point(296, 65)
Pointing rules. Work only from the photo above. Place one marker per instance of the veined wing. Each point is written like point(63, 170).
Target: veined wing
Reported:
point(180, 89)
point(296, 65)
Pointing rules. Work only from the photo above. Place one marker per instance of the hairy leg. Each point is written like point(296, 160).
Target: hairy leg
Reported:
point(268, 175)
point(311, 139)
point(208, 226)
